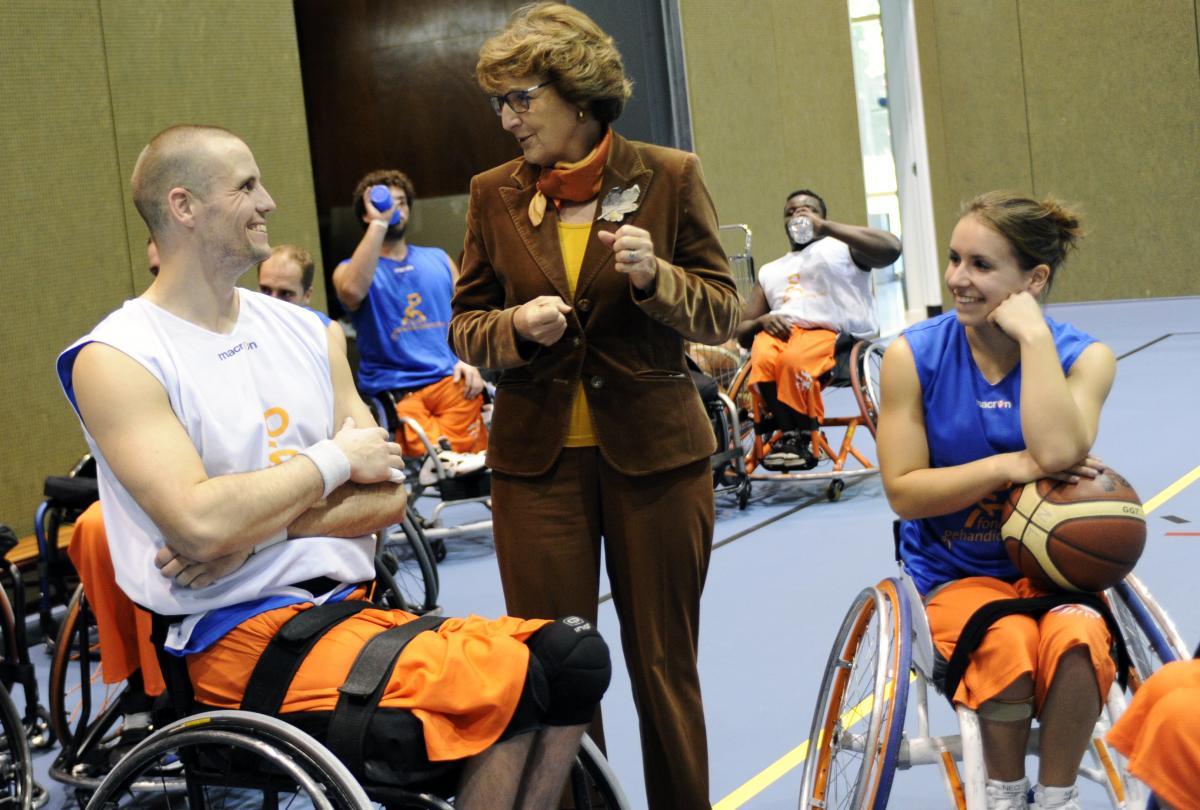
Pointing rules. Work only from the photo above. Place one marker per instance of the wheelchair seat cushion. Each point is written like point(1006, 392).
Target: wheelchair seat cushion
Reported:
point(71, 492)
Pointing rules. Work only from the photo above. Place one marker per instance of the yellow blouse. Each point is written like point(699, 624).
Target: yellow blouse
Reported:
point(573, 240)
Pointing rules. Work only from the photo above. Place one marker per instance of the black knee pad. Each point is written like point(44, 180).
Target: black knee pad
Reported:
point(576, 663)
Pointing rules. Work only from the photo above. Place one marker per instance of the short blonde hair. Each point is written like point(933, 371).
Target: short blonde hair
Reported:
point(177, 156)
point(567, 47)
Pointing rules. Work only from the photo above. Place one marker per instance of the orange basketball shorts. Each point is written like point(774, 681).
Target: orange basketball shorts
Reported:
point(1015, 645)
point(441, 410)
point(462, 681)
point(794, 366)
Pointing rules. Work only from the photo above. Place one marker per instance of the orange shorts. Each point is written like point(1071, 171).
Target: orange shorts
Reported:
point(1160, 733)
point(462, 681)
point(124, 628)
point(442, 410)
point(1015, 645)
point(794, 366)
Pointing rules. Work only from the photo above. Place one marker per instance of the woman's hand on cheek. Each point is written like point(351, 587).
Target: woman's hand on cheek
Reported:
point(1020, 317)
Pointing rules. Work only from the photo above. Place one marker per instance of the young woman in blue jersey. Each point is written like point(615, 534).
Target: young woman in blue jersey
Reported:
point(975, 401)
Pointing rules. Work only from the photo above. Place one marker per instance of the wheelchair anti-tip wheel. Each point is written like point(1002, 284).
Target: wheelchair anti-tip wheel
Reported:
point(855, 736)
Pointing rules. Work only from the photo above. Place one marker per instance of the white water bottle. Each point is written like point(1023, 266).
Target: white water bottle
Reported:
point(800, 229)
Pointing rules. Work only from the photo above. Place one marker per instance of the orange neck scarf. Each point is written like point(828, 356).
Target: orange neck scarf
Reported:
point(576, 182)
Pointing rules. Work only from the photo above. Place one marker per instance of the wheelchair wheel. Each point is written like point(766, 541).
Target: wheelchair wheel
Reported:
point(16, 765)
point(593, 783)
point(85, 713)
point(414, 576)
point(865, 362)
point(230, 757)
point(1149, 634)
point(855, 736)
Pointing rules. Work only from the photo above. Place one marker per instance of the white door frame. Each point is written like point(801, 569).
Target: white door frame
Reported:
point(906, 112)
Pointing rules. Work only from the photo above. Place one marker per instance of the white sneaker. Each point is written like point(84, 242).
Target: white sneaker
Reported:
point(454, 464)
point(1055, 798)
point(1007, 795)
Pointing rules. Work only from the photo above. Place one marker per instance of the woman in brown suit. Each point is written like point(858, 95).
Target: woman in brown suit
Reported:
point(587, 264)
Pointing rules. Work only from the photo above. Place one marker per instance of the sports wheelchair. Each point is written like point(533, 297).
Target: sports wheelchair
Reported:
point(234, 756)
point(451, 490)
point(91, 717)
point(17, 788)
point(857, 364)
point(883, 651)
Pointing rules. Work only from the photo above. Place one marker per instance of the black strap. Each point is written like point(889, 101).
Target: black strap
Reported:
point(364, 687)
point(281, 659)
point(977, 626)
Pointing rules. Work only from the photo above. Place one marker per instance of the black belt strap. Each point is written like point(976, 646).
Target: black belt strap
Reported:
point(977, 626)
point(364, 687)
point(281, 659)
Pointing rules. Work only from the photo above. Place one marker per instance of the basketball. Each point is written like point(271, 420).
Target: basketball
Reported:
point(1076, 537)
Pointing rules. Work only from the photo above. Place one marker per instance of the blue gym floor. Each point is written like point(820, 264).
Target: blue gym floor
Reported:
point(784, 571)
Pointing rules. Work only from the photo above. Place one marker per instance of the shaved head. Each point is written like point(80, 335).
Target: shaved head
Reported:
point(179, 156)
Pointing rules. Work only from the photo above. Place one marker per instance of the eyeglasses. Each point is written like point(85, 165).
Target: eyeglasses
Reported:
point(517, 100)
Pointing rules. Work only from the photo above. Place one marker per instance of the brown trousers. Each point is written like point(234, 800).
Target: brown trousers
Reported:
point(657, 532)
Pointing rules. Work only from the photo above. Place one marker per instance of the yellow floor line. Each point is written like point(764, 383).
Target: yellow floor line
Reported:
point(773, 772)
point(1171, 491)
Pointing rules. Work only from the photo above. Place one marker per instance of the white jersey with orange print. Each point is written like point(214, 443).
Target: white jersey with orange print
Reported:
point(248, 399)
point(820, 287)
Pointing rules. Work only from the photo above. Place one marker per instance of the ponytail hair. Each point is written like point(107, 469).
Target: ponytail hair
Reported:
point(1039, 232)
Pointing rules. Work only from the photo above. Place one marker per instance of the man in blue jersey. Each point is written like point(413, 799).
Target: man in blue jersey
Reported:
point(398, 297)
point(288, 275)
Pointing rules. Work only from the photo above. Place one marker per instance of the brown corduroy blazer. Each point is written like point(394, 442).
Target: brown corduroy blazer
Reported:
point(627, 348)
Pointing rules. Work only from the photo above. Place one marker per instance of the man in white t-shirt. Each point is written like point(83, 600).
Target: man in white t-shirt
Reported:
point(821, 288)
point(241, 476)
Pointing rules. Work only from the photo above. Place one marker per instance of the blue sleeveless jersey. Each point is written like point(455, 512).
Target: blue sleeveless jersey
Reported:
point(967, 418)
point(404, 321)
point(325, 319)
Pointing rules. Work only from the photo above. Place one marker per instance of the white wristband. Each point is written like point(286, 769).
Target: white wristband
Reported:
point(382, 222)
point(331, 462)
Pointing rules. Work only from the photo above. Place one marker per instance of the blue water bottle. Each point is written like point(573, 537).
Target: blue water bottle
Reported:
point(381, 198)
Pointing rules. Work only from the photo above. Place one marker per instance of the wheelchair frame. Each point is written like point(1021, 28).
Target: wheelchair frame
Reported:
point(864, 361)
point(384, 407)
point(886, 625)
point(87, 743)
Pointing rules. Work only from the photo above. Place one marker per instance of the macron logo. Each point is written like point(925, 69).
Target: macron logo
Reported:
point(245, 344)
point(993, 404)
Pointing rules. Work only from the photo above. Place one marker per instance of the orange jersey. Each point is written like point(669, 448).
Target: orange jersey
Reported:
point(1160, 733)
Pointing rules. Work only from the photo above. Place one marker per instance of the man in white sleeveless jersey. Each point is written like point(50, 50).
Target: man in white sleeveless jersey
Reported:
point(241, 477)
point(819, 289)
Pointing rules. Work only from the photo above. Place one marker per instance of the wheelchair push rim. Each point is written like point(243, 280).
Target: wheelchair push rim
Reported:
point(855, 734)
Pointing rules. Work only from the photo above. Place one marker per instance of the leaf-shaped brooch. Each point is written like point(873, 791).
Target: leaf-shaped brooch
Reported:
point(618, 203)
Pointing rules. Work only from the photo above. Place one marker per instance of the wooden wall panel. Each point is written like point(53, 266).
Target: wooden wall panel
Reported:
point(86, 84)
point(773, 109)
point(62, 228)
point(1114, 125)
point(1094, 101)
